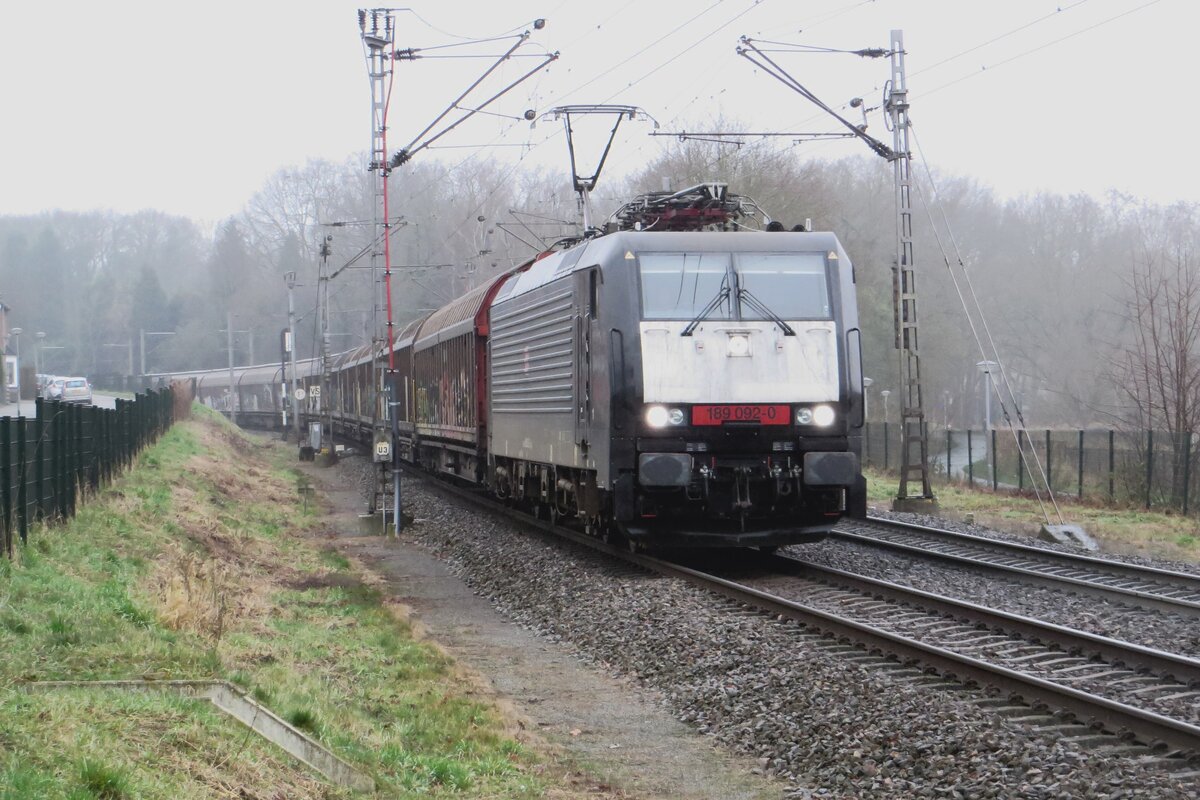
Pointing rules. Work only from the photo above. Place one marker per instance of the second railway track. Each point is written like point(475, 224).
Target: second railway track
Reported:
point(1135, 585)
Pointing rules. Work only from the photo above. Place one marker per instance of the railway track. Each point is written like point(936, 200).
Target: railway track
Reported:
point(1169, 591)
point(1166, 682)
point(1125, 690)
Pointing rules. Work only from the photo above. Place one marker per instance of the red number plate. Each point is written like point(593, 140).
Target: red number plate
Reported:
point(761, 414)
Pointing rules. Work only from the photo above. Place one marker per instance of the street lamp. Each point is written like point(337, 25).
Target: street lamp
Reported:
point(987, 367)
point(40, 336)
point(867, 398)
point(16, 332)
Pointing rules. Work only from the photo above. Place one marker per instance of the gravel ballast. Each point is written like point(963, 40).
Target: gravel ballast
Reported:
point(766, 687)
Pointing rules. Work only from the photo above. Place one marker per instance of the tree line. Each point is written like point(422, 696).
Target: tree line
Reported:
point(1094, 303)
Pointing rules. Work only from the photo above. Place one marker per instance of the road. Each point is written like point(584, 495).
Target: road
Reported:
point(27, 408)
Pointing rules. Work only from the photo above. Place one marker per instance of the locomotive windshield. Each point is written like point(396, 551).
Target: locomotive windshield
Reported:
point(792, 284)
point(682, 285)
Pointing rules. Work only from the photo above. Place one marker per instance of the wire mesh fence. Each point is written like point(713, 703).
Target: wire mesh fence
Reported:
point(1150, 469)
point(49, 462)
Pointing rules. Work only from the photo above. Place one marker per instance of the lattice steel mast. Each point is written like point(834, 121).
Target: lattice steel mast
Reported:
point(378, 30)
point(914, 444)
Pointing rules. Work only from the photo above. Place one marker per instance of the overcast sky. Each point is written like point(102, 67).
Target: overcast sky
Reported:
point(187, 108)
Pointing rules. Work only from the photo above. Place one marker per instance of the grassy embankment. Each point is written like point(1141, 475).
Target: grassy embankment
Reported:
point(196, 565)
point(1119, 530)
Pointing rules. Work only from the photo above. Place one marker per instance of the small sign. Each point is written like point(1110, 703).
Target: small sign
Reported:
point(383, 446)
point(315, 393)
point(300, 393)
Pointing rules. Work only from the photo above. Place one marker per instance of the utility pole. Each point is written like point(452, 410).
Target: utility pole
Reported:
point(326, 399)
point(290, 279)
point(914, 445)
point(232, 385)
point(143, 333)
point(378, 30)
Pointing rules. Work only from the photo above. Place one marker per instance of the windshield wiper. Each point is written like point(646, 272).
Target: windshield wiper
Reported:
point(758, 305)
point(712, 306)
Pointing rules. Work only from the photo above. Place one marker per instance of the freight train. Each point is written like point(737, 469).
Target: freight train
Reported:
point(676, 381)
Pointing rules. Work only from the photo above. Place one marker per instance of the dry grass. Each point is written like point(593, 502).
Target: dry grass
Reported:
point(200, 564)
point(1118, 530)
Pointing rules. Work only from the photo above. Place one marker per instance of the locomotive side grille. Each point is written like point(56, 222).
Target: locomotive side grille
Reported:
point(533, 357)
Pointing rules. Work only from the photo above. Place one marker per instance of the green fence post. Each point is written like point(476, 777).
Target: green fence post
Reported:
point(1021, 459)
point(6, 424)
point(60, 461)
point(1112, 466)
point(72, 470)
point(995, 461)
point(885, 445)
point(1080, 493)
point(93, 441)
point(970, 461)
point(1187, 468)
point(949, 466)
point(39, 459)
point(22, 496)
point(1049, 465)
point(1149, 464)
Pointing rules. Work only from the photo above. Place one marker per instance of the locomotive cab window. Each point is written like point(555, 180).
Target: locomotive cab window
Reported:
point(680, 285)
point(683, 286)
point(793, 285)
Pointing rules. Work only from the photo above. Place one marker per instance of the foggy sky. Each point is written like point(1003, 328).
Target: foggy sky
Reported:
point(188, 108)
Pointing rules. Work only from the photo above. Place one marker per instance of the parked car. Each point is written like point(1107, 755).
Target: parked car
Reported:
point(76, 390)
point(53, 389)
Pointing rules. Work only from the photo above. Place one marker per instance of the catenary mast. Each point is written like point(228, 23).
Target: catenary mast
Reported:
point(378, 30)
point(914, 444)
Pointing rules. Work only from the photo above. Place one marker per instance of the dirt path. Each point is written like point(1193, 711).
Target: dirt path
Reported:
point(615, 737)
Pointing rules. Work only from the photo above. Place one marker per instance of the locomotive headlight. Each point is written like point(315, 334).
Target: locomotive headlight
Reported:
point(738, 345)
point(661, 416)
point(804, 416)
point(823, 416)
point(657, 416)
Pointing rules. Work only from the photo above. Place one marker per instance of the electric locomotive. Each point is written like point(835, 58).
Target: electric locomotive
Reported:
point(683, 388)
point(668, 381)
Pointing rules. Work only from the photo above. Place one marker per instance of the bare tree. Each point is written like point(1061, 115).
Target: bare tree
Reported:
point(1159, 370)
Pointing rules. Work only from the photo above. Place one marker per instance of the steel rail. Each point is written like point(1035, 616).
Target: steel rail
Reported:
point(1184, 580)
point(1119, 718)
point(1030, 574)
point(1182, 668)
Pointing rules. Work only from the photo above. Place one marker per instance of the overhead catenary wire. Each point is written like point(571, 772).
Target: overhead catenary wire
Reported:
point(1011, 32)
point(1044, 46)
point(1018, 428)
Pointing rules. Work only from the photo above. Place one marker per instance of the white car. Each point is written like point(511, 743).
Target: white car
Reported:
point(53, 389)
point(76, 390)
